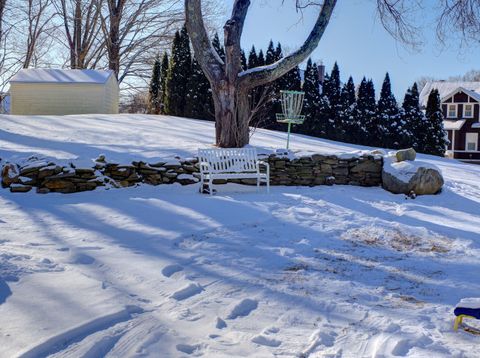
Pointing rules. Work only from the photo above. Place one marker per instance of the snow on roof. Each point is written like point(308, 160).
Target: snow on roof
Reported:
point(448, 87)
point(450, 125)
point(45, 75)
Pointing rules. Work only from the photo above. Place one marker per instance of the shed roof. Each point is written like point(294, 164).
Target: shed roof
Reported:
point(447, 87)
point(47, 75)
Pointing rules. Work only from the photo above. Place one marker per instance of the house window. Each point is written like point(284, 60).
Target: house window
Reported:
point(452, 111)
point(471, 141)
point(468, 110)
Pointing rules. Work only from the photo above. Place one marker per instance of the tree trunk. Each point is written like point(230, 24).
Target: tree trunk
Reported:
point(231, 115)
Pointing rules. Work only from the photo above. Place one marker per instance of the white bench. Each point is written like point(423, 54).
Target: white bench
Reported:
point(231, 163)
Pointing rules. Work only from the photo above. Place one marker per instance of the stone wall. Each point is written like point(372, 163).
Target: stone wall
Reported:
point(309, 170)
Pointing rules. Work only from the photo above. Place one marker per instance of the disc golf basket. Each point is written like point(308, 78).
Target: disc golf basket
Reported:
point(292, 103)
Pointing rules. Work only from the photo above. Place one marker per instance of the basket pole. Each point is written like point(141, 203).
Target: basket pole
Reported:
point(288, 135)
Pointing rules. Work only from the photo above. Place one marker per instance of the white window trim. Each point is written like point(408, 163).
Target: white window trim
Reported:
point(448, 110)
point(467, 141)
point(473, 108)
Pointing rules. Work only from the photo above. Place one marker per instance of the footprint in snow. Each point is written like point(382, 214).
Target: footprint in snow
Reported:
point(220, 323)
point(169, 270)
point(266, 341)
point(243, 308)
point(188, 348)
point(188, 291)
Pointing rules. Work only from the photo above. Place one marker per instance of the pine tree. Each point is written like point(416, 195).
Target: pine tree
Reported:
point(243, 60)
point(311, 87)
point(178, 74)
point(332, 92)
point(154, 91)
point(412, 120)
point(163, 81)
point(261, 58)
point(388, 116)
point(199, 102)
point(365, 115)
point(218, 46)
point(252, 58)
point(346, 115)
point(436, 137)
point(271, 54)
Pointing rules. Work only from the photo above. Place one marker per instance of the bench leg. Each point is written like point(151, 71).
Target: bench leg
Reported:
point(458, 321)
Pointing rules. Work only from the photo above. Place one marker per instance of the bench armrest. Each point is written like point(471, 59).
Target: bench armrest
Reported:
point(264, 163)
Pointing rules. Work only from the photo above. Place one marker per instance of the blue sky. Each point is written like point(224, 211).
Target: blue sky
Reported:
point(356, 39)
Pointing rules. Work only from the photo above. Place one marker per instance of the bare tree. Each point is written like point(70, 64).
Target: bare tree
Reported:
point(81, 23)
point(38, 18)
point(134, 30)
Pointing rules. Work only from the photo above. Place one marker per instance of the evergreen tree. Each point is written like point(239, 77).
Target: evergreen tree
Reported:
point(243, 60)
point(365, 115)
point(332, 92)
point(311, 87)
point(435, 136)
point(388, 116)
point(412, 120)
point(324, 121)
point(178, 74)
point(218, 46)
point(271, 54)
point(154, 91)
point(278, 51)
point(163, 81)
point(199, 102)
point(348, 130)
point(261, 59)
point(252, 58)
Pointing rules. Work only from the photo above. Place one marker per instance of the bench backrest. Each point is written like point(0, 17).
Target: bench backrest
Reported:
point(229, 160)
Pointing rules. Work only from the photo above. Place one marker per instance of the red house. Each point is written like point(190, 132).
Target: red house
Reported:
point(460, 105)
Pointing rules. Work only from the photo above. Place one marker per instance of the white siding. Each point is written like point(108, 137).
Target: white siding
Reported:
point(63, 98)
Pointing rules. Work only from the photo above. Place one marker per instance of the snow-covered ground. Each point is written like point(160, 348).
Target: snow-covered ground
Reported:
point(163, 271)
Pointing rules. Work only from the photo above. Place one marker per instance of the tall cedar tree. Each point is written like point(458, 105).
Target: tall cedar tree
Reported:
point(273, 90)
point(388, 116)
point(218, 47)
point(154, 90)
point(178, 74)
point(199, 102)
point(436, 139)
point(346, 114)
point(365, 114)
point(332, 91)
point(252, 58)
point(243, 60)
point(311, 87)
point(163, 81)
point(412, 121)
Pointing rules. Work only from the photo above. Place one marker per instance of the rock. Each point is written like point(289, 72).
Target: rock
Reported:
point(18, 188)
point(407, 177)
point(10, 175)
point(330, 180)
point(406, 154)
point(101, 159)
point(426, 181)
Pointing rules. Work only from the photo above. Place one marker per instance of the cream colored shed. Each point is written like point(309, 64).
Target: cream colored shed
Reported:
point(61, 92)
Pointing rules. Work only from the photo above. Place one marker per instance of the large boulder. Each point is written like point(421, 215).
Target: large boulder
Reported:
point(409, 177)
point(406, 154)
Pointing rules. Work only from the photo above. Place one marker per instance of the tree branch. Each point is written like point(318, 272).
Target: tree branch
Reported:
point(205, 54)
point(233, 32)
point(265, 74)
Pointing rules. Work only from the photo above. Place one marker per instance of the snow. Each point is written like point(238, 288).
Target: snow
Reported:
point(404, 170)
point(450, 125)
point(338, 271)
point(48, 75)
point(469, 302)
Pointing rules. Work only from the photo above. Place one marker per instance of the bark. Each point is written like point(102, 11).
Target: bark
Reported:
point(230, 86)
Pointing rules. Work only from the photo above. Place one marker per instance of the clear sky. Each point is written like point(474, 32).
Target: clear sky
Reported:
point(356, 39)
